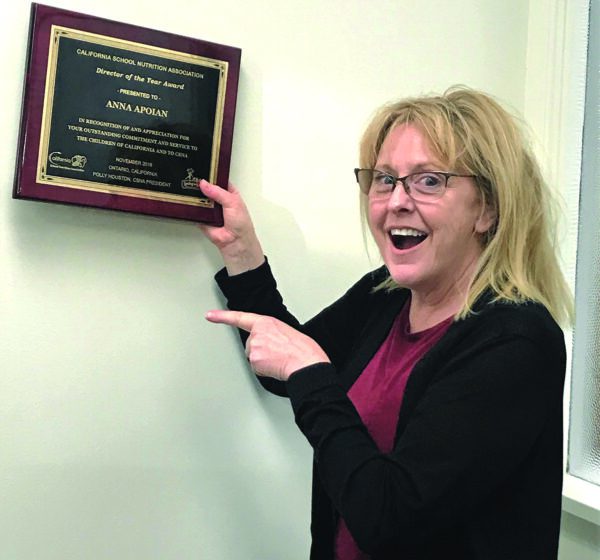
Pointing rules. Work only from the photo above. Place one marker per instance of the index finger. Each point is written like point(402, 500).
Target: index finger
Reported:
point(239, 319)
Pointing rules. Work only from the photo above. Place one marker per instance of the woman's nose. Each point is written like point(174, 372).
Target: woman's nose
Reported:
point(399, 199)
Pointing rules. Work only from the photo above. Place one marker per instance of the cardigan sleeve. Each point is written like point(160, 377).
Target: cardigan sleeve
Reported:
point(335, 328)
point(483, 411)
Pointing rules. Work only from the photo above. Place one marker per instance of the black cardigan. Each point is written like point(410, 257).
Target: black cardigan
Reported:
point(476, 471)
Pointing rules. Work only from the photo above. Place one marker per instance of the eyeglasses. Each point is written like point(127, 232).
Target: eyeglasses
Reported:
point(421, 187)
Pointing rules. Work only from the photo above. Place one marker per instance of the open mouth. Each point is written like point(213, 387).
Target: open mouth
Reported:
point(406, 238)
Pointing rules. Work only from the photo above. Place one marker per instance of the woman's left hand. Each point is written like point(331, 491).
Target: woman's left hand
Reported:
point(274, 349)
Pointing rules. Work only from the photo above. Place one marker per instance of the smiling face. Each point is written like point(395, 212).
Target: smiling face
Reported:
point(430, 247)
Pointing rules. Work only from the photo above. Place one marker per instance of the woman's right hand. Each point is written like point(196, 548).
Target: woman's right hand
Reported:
point(236, 239)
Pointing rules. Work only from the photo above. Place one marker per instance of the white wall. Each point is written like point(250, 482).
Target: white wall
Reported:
point(129, 427)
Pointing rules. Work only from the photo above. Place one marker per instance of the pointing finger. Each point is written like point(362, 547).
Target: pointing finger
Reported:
point(239, 319)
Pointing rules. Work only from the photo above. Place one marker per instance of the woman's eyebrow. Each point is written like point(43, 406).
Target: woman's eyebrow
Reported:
point(414, 168)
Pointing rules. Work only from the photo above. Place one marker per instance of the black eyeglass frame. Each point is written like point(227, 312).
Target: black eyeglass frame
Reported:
point(402, 180)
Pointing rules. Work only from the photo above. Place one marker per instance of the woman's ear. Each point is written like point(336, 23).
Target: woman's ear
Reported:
point(486, 221)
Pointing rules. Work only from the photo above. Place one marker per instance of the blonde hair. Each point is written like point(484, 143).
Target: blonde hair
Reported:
point(472, 134)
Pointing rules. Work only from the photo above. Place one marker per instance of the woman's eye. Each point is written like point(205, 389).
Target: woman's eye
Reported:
point(428, 180)
point(384, 180)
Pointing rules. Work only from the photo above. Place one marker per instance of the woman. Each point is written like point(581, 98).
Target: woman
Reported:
point(431, 392)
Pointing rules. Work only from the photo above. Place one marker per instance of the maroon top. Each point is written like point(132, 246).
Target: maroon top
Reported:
point(377, 396)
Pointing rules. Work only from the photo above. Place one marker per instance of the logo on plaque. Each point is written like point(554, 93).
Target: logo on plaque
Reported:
point(76, 162)
point(190, 182)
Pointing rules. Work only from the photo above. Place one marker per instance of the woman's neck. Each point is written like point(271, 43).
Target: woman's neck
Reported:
point(423, 316)
point(430, 307)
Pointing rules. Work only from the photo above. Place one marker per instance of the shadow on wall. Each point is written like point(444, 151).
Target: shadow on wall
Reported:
point(579, 539)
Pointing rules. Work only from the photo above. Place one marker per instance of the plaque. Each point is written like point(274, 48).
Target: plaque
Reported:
point(122, 117)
